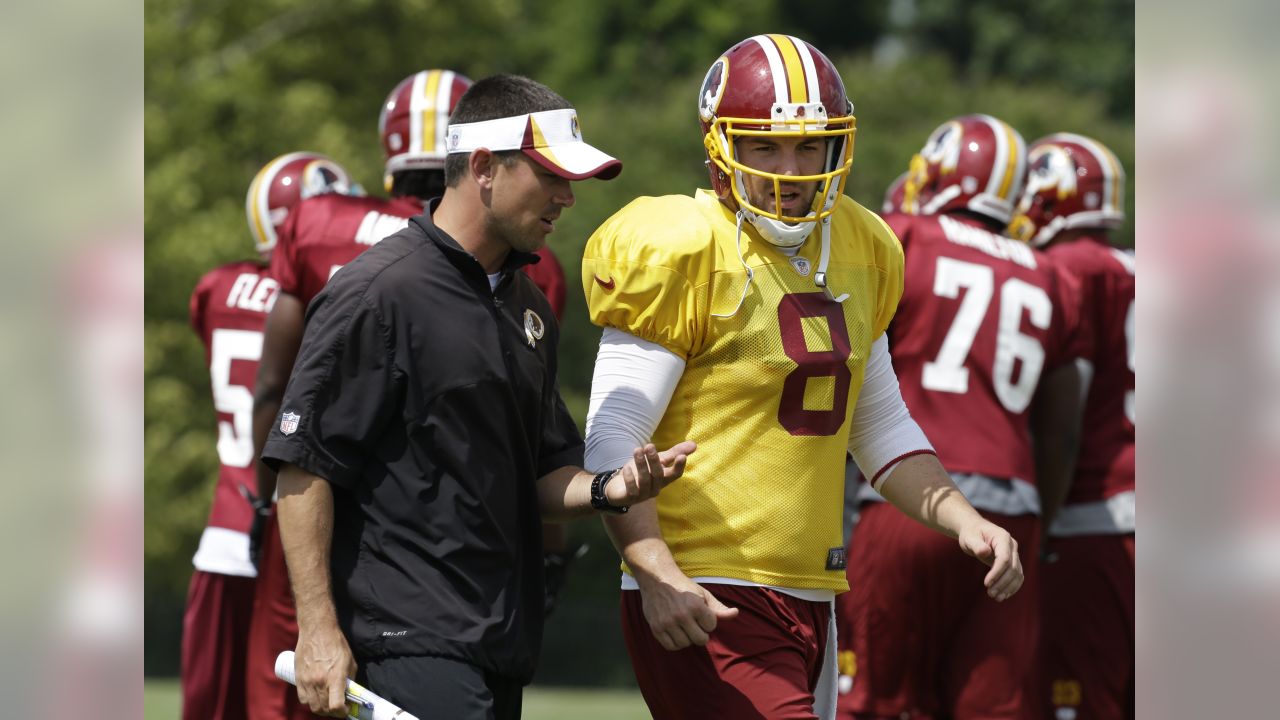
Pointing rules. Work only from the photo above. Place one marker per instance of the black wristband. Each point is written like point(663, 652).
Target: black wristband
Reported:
point(598, 500)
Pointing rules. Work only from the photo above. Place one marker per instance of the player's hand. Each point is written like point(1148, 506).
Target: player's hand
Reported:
point(647, 472)
point(681, 612)
point(322, 664)
point(995, 547)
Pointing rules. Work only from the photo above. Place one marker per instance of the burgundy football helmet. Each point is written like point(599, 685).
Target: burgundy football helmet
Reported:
point(1073, 182)
point(973, 162)
point(775, 86)
point(414, 119)
point(282, 184)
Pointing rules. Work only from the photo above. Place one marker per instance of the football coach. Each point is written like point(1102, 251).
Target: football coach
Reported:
point(423, 438)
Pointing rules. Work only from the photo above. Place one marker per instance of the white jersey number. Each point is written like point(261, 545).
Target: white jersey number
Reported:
point(235, 438)
point(947, 372)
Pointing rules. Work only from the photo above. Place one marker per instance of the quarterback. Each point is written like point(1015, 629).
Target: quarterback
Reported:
point(753, 317)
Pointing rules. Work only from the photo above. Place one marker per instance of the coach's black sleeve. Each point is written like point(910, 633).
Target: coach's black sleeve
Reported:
point(344, 390)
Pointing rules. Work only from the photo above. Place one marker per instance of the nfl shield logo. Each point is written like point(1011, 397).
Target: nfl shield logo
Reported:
point(289, 423)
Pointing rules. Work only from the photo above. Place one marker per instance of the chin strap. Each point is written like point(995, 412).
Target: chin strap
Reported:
point(824, 256)
point(741, 214)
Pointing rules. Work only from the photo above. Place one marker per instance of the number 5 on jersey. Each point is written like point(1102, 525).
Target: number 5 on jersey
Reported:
point(235, 439)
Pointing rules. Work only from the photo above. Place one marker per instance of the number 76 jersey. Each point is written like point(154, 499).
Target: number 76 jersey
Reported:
point(982, 320)
point(772, 373)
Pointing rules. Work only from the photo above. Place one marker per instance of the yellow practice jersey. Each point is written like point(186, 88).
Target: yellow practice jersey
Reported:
point(767, 392)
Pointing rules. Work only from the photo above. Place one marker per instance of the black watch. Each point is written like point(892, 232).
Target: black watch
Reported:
point(598, 500)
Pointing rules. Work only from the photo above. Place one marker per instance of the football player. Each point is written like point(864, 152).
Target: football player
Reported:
point(228, 310)
point(983, 340)
point(753, 316)
point(1074, 196)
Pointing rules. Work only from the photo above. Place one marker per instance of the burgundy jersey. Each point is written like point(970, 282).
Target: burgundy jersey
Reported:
point(982, 319)
point(1106, 280)
point(325, 232)
point(228, 310)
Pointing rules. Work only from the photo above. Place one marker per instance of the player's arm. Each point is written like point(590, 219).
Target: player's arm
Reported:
point(1055, 433)
point(324, 660)
point(679, 611)
point(894, 453)
point(632, 385)
point(280, 341)
point(565, 493)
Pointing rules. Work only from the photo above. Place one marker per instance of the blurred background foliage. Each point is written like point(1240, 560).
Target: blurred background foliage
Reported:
point(231, 84)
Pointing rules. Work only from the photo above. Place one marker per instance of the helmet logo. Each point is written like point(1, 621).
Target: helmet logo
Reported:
point(713, 89)
point(1051, 169)
point(395, 141)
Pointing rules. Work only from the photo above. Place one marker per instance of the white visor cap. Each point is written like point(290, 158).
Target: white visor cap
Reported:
point(552, 138)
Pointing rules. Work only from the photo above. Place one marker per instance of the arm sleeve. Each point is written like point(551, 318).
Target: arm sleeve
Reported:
point(344, 390)
point(633, 383)
point(882, 432)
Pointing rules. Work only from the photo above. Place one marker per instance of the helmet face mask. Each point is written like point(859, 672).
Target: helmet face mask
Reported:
point(776, 86)
point(283, 183)
point(1073, 182)
point(973, 162)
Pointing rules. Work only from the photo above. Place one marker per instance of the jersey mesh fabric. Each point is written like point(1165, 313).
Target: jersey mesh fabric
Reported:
point(767, 393)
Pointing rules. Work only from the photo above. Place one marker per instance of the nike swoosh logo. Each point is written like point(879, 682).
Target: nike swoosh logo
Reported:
point(606, 285)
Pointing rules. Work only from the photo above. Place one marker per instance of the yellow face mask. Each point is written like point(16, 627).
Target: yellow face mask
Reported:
point(724, 132)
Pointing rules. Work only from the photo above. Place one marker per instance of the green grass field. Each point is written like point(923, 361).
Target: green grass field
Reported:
point(162, 701)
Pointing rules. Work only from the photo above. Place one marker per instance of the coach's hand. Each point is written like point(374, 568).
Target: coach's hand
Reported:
point(994, 546)
point(647, 472)
point(322, 664)
point(681, 612)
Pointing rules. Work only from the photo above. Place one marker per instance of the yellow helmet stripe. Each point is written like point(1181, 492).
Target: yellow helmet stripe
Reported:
point(1011, 159)
point(429, 130)
point(255, 208)
point(796, 85)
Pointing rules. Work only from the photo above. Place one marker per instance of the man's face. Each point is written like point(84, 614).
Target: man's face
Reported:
point(527, 199)
point(783, 156)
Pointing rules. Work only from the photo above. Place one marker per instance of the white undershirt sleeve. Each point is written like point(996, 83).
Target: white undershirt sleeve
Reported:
point(632, 385)
point(882, 432)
